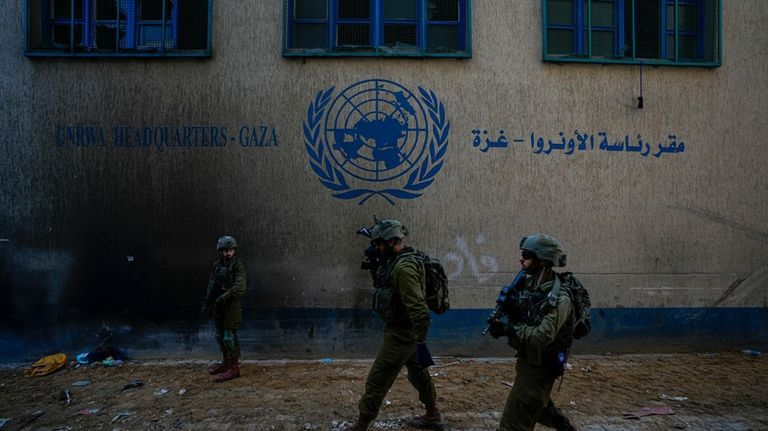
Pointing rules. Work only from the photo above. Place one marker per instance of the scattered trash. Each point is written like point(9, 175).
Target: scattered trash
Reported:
point(649, 411)
point(326, 361)
point(587, 369)
point(572, 403)
point(309, 427)
point(752, 353)
point(121, 416)
point(4, 421)
point(169, 412)
point(434, 374)
point(82, 359)
point(46, 365)
point(85, 412)
point(446, 365)
point(112, 362)
point(179, 424)
point(507, 383)
point(387, 402)
point(182, 391)
point(62, 428)
point(161, 391)
point(103, 352)
point(133, 384)
point(65, 396)
point(667, 397)
point(82, 383)
point(568, 366)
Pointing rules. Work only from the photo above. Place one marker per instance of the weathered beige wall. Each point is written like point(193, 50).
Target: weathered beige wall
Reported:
point(677, 231)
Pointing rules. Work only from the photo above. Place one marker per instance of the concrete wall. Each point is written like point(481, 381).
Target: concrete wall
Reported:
point(124, 235)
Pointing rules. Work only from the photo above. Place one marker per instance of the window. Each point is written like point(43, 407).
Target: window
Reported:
point(676, 32)
point(419, 28)
point(123, 28)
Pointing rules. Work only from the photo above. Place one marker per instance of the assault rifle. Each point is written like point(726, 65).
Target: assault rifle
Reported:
point(504, 296)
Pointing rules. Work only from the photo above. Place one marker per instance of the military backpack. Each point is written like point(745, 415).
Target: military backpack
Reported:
point(582, 323)
point(436, 283)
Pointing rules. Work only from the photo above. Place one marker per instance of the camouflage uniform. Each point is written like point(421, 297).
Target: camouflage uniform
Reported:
point(543, 331)
point(226, 286)
point(407, 322)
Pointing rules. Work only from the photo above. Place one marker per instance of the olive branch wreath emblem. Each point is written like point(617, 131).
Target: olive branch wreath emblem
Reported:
point(332, 178)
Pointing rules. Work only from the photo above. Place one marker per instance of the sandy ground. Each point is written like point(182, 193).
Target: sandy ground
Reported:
point(723, 391)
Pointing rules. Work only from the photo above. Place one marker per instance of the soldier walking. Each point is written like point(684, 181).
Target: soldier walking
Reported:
point(400, 300)
point(226, 286)
point(541, 329)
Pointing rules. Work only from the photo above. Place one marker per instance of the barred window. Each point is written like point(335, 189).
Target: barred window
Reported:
point(675, 32)
point(118, 28)
point(420, 28)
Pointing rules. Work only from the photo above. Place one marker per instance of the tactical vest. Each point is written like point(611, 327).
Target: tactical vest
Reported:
point(386, 300)
point(534, 305)
point(221, 281)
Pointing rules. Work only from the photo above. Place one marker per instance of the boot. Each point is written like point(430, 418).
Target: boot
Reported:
point(232, 372)
point(360, 425)
point(219, 368)
point(432, 420)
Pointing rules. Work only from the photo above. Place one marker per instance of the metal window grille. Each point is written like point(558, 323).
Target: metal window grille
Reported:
point(679, 32)
point(377, 28)
point(118, 28)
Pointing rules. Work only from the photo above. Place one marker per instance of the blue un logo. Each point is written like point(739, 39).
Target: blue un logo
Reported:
point(376, 138)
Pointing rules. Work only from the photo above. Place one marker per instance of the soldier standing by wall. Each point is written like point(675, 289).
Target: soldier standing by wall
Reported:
point(226, 286)
point(399, 299)
point(541, 329)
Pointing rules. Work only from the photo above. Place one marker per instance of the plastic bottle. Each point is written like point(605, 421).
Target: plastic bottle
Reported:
point(752, 353)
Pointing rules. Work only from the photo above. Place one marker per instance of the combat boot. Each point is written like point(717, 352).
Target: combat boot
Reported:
point(232, 372)
point(360, 425)
point(432, 420)
point(219, 368)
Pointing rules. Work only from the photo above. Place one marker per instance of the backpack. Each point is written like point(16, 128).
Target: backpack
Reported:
point(582, 323)
point(436, 283)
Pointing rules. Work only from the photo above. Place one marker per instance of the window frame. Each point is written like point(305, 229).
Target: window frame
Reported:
point(376, 23)
point(132, 24)
point(582, 55)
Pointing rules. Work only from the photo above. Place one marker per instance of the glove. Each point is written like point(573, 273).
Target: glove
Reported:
point(499, 329)
point(423, 356)
point(229, 340)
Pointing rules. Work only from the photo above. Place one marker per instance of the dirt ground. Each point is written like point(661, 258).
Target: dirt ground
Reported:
point(723, 391)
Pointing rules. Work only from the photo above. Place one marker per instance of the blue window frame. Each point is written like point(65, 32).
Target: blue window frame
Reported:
point(674, 32)
point(122, 28)
point(402, 28)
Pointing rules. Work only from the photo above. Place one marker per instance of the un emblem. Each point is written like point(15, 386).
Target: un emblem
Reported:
point(376, 138)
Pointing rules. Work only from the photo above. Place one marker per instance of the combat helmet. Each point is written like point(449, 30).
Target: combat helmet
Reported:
point(544, 247)
point(226, 242)
point(388, 229)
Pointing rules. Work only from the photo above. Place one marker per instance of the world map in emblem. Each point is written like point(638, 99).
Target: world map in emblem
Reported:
point(376, 138)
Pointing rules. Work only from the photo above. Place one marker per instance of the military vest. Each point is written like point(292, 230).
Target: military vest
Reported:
point(534, 305)
point(386, 300)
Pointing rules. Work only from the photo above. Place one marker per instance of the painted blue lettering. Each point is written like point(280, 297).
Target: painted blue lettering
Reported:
point(273, 142)
point(244, 130)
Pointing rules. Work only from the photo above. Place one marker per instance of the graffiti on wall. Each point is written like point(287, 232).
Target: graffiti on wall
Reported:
point(164, 138)
point(464, 256)
point(580, 142)
point(376, 138)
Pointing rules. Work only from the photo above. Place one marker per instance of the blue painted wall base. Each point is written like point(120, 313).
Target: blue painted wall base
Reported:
point(311, 333)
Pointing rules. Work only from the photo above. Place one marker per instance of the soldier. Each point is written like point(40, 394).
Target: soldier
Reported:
point(541, 329)
point(226, 286)
point(399, 298)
